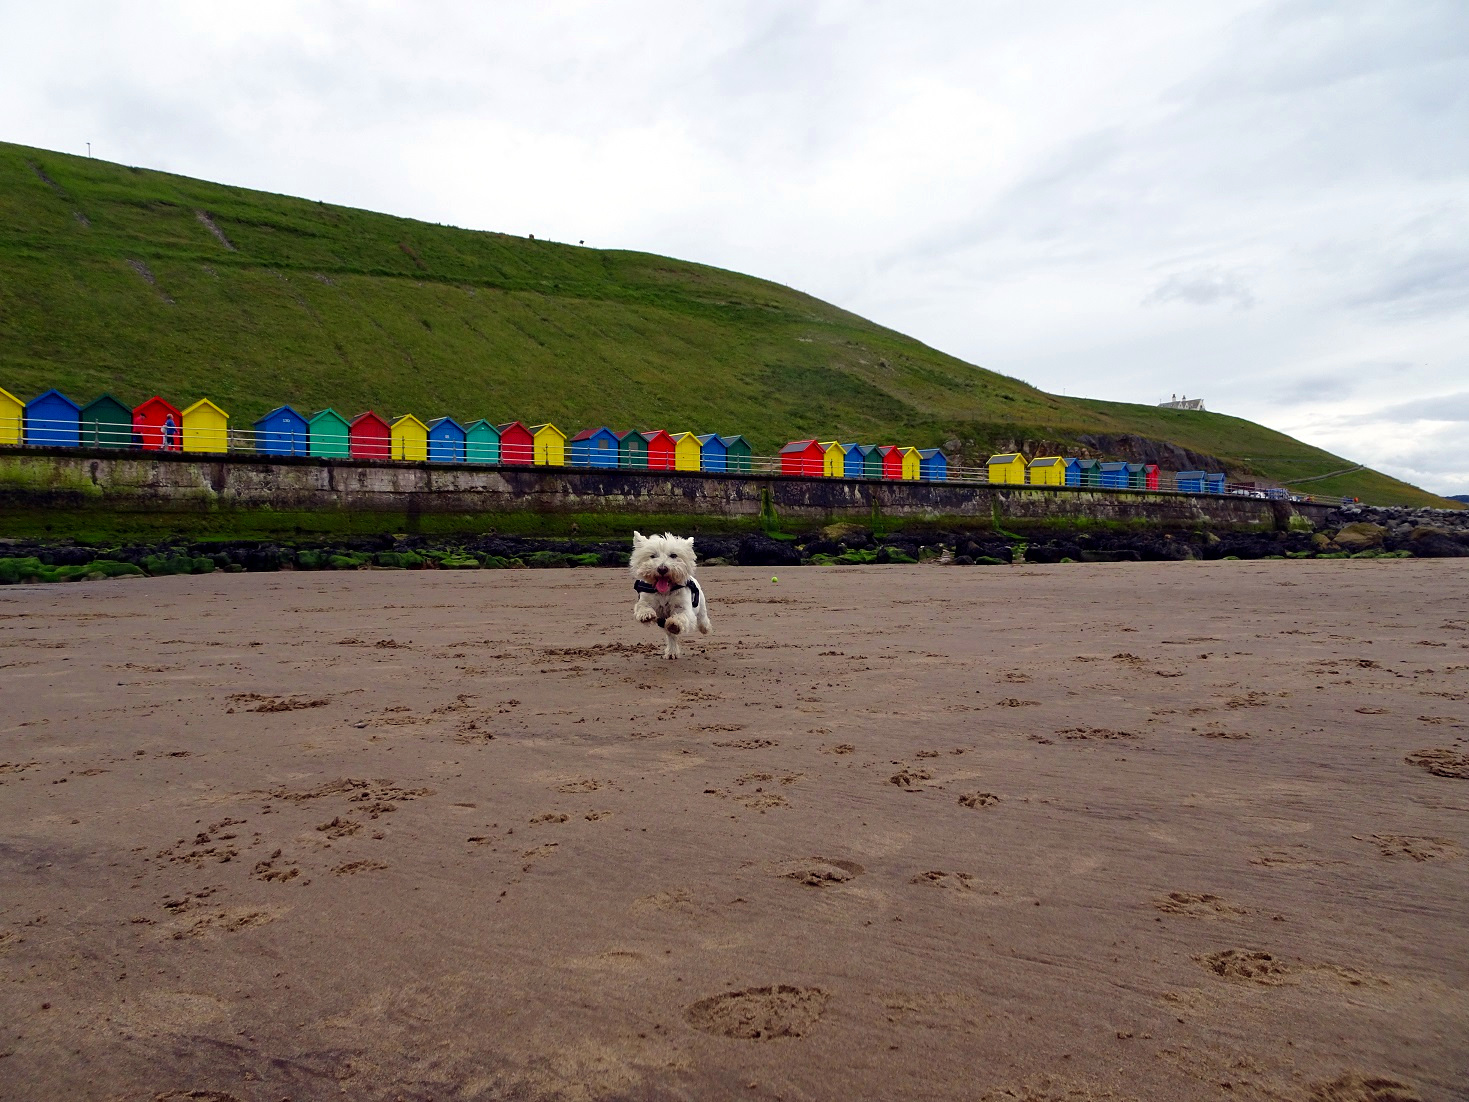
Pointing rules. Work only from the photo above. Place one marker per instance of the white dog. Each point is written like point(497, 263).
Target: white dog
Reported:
point(663, 575)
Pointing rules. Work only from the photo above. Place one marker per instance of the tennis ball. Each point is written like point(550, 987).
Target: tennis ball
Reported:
point(773, 578)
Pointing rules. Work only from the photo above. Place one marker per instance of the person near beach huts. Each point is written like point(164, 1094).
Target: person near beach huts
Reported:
point(170, 431)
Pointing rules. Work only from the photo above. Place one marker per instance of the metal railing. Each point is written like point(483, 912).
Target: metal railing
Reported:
point(279, 442)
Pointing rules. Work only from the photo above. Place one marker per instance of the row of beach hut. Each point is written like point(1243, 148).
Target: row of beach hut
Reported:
point(830, 459)
point(55, 420)
point(1014, 469)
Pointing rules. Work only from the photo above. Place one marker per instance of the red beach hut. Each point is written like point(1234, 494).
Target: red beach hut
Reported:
point(369, 437)
point(661, 450)
point(517, 445)
point(803, 457)
point(892, 461)
point(158, 426)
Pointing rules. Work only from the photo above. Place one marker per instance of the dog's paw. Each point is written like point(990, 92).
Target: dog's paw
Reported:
point(705, 627)
point(673, 626)
point(644, 615)
point(681, 624)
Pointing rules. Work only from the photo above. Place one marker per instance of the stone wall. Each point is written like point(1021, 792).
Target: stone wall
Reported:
point(50, 491)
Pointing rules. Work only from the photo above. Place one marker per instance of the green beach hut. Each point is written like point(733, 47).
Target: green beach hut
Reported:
point(871, 460)
point(331, 435)
point(632, 450)
point(107, 423)
point(481, 442)
point(736, 454)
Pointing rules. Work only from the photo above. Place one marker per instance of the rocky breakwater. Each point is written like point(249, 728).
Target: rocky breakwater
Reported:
point(1422, 533)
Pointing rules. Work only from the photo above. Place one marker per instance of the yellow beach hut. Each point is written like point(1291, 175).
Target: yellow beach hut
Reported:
point(912, 464)
point(833, 456)
point(410, 438)
point(1007, 469)
point(12, 417)
point(206, 428)
point(549, 445)
point(687, 452)
point(1047, 470)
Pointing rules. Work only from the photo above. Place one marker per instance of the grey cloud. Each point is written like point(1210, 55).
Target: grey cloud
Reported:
point(1203, 287)
point(1443, 407)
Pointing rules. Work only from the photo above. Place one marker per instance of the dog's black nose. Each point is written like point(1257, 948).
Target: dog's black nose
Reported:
point(663, 570)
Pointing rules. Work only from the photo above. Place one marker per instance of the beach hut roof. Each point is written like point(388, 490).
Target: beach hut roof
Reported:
point(363, 416)
point(727, 441)
point(1190, 474)
point(798, 446)
point(409, 417)
point(1114, 465)
point(538, 429)
point(266, 417)
point(511, 425)
point(105, 399)
point(1046, 461)
point(587, 434)
point(708, 436)
point(437, 421)
point(325, 414)
point(5, 394)
point(202, 403)
point(1007, 457)
point(866, 449)
point(929, 453)
point(53, 393)
point(653, 434)
point(165, 406)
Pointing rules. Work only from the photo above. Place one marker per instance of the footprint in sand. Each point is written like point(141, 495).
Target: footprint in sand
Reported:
point(979, 799)
point(1197, 905)
point(1354, 1087)
point(1248, 966)
point(1415, 846)
point(1441, 762)
point(351, 868)
point(759, 1013)
point(819, 872)
point(954, 881)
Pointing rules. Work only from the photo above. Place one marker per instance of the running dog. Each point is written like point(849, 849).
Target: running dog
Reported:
point(663, 576)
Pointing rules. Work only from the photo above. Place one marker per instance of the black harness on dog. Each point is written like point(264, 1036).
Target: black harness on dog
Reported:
point(641, 586)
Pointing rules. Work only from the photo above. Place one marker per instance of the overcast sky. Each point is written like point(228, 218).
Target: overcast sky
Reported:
point(1263, 204)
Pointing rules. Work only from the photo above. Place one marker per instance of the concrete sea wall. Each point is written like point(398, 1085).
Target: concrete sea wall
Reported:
point(105, 493)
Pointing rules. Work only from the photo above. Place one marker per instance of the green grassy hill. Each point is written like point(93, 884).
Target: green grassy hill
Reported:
point(140, 282)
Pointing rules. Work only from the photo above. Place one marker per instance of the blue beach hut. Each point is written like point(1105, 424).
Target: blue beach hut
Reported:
point(1214, 482)
point(712, 453)
point(54, 420)
point(1190, 482)
point(283, 431)
point(595, 448)
point(852, 462)
point(1073, 472)
point(1114, 476)
point(482, 442)
point(446, 438)
point(933, 465)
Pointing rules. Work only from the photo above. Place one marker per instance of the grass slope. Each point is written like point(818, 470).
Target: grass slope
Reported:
point(140, 282)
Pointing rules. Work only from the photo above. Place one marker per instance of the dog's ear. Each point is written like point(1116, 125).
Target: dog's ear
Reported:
point(638, 537)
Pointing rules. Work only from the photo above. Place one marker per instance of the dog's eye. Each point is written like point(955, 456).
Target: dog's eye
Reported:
point(673, 556)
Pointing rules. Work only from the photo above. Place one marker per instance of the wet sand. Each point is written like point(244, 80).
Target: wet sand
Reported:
point(1113, 831)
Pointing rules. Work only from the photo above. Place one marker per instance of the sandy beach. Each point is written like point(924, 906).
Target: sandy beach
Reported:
point(1111, 831)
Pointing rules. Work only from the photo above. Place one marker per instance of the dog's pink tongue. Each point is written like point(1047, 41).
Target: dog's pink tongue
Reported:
point(662, 585)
